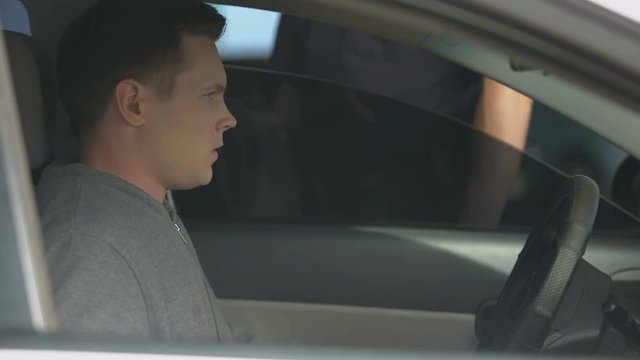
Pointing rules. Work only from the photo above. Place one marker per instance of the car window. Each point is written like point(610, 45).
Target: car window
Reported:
point(251, 35)
point(315, 152)
point(572, 149)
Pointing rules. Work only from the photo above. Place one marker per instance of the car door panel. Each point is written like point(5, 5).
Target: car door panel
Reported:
point(391, 286)
point(339, 325)
point(399, 268)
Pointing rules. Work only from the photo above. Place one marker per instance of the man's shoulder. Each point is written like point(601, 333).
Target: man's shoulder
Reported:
point(69, 206)
point(76, 202)
point(94, 287)
point(78, 247)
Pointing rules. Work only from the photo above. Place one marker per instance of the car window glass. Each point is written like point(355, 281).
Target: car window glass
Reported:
point(334, 154)
point(572, 150)
point(249, 34)
point(578, 151)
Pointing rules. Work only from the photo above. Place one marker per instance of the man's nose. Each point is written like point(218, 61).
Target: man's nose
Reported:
point(226, 123)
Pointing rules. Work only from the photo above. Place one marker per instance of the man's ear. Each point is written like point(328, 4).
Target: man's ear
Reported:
point(128, 95)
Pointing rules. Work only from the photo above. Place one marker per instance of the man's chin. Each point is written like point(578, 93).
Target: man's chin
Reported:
point(206, 178)
point(202, 179)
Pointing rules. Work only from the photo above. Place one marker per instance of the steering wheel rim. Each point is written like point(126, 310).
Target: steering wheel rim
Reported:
point(526, 307)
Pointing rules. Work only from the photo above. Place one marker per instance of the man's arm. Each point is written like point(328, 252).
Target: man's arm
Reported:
point(95, 291)
point(503, 113)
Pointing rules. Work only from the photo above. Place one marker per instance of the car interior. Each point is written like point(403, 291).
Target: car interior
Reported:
point(332, 274)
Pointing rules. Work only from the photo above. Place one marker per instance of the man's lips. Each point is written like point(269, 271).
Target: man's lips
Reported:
point(214, 153)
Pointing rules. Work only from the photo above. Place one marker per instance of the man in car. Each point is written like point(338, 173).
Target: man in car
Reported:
point(143, 86)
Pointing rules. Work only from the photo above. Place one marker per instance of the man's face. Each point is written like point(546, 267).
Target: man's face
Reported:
point(182, 132)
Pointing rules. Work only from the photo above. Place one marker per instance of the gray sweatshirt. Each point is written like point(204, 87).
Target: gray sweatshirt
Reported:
point(121, 263)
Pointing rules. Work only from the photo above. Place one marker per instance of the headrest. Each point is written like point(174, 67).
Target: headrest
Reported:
point(35, 89)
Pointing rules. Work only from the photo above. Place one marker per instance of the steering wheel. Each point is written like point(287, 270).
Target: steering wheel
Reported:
point(526, 307)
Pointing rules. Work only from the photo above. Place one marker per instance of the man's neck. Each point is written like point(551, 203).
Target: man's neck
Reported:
point(127, 171)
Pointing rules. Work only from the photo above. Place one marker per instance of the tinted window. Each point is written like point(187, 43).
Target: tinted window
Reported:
point(314, 152)
point(324, 51)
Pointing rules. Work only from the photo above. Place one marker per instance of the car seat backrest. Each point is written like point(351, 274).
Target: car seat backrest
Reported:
point(34, 84)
